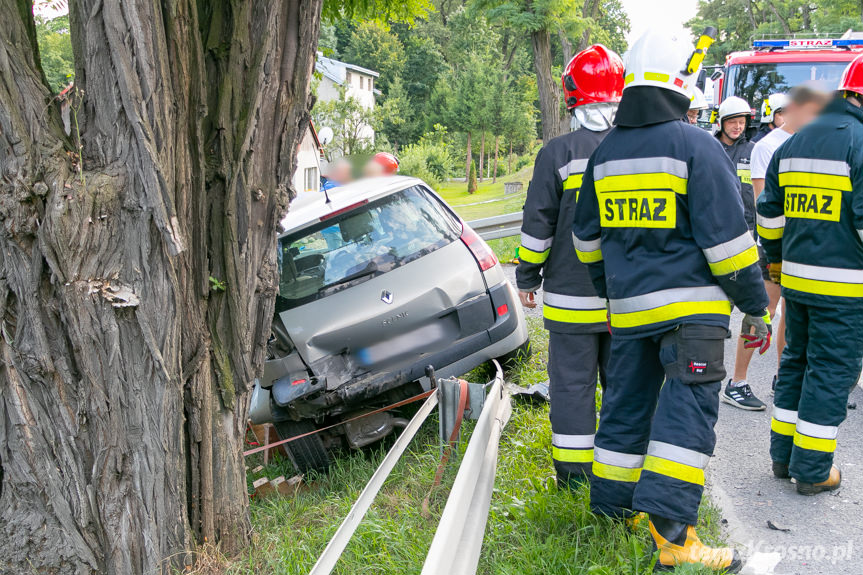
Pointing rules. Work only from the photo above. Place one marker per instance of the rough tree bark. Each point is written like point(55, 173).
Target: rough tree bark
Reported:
point(125, 368)
point(468, 159)
point(481, 155)
point(496, 148)
point(547, 86)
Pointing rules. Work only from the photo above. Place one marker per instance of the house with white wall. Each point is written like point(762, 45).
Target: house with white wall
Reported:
point(307, 175)
point(356, 81)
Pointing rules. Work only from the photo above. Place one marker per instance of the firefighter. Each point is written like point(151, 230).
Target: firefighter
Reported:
point(698, 103)
point(810, 218)
point(381, 164)
point(734, 115)
point(660, 223)
point(772, 111)
point(575, 317)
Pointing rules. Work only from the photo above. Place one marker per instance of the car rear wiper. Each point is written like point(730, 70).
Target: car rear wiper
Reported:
point(371, 268)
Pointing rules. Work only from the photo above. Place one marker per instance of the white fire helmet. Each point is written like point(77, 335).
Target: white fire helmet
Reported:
point(665, 60)
point(771, 105)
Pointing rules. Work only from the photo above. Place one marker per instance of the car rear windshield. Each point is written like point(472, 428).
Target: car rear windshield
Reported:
point(755, 82)
point(360, 244)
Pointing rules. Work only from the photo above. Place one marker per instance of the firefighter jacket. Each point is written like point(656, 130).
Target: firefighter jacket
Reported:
point(546, 255)
point(740, 152)
point(810, 215)
point(660, 223)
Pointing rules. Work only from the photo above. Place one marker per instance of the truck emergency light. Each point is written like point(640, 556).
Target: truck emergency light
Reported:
point(808, 43)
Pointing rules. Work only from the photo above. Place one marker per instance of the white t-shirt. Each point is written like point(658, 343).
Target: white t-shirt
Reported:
point(762, 153)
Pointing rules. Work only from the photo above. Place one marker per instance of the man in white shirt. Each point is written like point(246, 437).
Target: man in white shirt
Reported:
point(805, 103)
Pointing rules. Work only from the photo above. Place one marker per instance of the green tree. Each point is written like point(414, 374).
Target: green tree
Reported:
point(739, 21)
point(328, 43)
point(394, 116)
point(55, 50)
point(350, 121)
point(373, 46)
point(378, 10)
point(471, 180)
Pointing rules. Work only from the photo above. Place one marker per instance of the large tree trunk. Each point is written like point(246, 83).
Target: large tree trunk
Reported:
point(547, 86)
point(124, 374)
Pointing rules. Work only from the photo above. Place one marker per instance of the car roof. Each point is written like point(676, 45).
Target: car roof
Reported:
point(309, 207)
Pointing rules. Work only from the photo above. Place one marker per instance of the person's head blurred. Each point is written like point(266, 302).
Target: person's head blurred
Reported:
point(381, 164)
point(340, 172)
point(805, 103)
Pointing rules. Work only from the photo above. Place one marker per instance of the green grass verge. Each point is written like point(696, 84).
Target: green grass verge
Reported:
point(533, 527)
point(471, 206)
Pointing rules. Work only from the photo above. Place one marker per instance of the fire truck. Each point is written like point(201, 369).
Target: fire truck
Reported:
point(777, 65)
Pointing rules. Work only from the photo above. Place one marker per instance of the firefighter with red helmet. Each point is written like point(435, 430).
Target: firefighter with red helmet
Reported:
point(810, 219)
point(579, 341)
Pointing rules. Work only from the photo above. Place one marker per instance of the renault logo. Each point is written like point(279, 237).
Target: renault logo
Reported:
point(387, 296)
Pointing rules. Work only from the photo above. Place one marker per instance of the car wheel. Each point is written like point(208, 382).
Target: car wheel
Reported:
point(307, 454)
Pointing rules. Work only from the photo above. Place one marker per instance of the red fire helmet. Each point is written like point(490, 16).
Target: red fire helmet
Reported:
point(593, 75)
point(388, 161)
point(852, 77)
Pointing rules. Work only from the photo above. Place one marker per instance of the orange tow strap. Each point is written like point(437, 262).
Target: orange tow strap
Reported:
point(413, 399)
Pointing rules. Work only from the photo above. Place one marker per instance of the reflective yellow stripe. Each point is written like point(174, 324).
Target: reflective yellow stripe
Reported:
point(745, 176)
point(782, 427)
point(629, 78)
point(813, 180)
point(574, 315)
point(735, 263)
point(669, 312)
point(589, 257)
point(770, 233)
point(647, 181)
point(573, 182)
point(819, 287)
point(531, 256)
point(814, 443)
point(656, 76)
point(572, 455)
point(674, 469)
point(616, 473)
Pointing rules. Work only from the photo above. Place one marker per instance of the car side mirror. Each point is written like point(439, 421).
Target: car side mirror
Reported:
point(716, 75)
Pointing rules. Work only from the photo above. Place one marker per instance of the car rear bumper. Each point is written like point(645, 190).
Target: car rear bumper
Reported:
point(508, 333)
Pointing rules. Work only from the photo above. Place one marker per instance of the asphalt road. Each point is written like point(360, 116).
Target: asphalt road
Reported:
point(820, 535)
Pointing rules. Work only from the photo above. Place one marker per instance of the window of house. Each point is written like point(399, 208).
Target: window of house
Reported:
point(361, 82)
point(348, 78)
point(312, 181)
point(371, 85)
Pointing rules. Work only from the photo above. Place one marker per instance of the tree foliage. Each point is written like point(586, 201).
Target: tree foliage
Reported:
point(55, 46)
point(350, 121)
point(739, 21)
point(374, 47)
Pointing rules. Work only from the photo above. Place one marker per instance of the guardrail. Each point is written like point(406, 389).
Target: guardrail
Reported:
point(496, 227)
point(456, 546)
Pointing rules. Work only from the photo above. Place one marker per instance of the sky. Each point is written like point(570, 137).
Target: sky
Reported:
point(662, 14)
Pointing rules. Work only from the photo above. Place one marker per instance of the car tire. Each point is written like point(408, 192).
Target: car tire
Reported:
point(307, 454)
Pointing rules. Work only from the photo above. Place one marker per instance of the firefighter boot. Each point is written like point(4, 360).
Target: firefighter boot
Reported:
point(780, 470)
point(830, 484)
point(678, 544)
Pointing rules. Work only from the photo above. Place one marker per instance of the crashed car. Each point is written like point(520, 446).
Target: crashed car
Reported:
point(378, 280)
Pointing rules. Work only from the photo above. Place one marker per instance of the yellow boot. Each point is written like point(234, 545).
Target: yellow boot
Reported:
point(679, 544)
point(832, 483)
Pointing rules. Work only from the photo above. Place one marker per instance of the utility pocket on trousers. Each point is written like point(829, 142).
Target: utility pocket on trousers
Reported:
point(694, 353)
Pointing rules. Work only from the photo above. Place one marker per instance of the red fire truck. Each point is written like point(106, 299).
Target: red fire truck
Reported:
point(778, 65)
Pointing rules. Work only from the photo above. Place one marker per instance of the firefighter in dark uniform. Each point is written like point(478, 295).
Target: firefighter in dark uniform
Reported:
point(579, 341)
point(660, 222)
point(810, 218)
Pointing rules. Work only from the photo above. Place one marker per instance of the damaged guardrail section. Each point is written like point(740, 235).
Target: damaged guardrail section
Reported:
point(456, 547)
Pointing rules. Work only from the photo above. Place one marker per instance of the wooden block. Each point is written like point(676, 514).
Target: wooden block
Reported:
point(258, 469)
point(263, 488)
point(289, 487)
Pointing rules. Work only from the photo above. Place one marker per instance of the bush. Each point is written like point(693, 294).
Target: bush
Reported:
point(429, 159)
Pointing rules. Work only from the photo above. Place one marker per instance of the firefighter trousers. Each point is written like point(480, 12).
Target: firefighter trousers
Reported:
point(655, 433)
point(573, 363)
point(819, 367)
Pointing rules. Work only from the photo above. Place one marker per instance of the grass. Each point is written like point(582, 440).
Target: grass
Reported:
point(470, 206)
point(532, 528)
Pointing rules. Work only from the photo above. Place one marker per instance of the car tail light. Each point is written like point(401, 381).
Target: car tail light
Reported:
point(502, 310)
point(477, 246)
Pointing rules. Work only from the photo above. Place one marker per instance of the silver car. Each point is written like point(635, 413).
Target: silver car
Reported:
point(379, 279)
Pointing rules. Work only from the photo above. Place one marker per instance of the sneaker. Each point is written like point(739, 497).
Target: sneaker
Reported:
point(741, 396)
